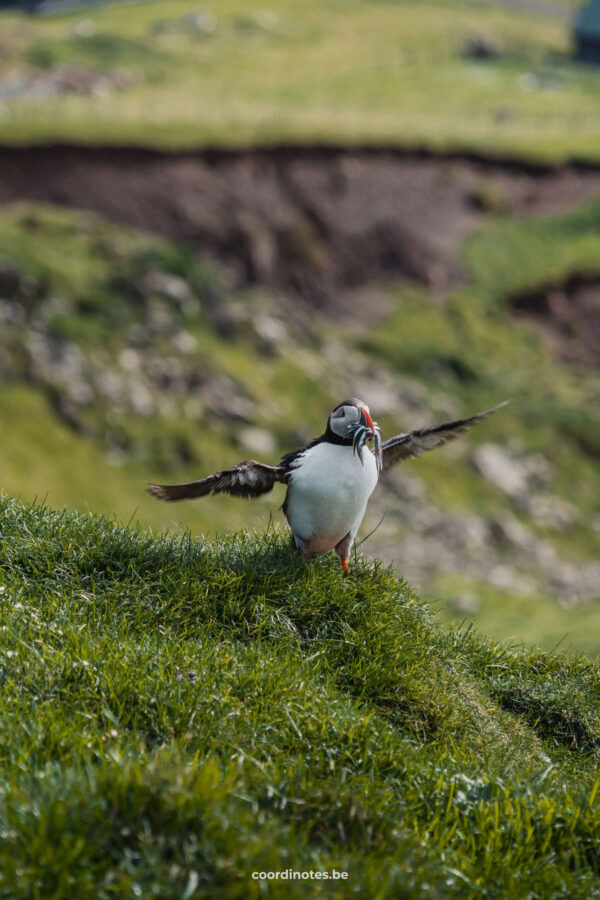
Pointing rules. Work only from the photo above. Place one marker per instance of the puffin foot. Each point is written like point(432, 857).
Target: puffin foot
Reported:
point(342, 548)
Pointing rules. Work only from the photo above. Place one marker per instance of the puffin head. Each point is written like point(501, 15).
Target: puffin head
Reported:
point(351, 423)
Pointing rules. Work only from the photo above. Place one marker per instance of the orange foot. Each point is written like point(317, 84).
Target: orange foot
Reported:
point(345, 565)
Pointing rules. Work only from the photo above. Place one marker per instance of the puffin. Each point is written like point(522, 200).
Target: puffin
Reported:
point(330, 479)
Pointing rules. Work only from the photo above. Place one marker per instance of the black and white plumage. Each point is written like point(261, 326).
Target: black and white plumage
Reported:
point(248, 479)
point(329, 481)
point(414, 443)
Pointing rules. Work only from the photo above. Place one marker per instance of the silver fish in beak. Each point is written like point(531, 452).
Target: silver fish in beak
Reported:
point(363, 431)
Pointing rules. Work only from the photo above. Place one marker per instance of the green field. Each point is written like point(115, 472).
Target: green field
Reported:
point(366, 72)
point(178, 714)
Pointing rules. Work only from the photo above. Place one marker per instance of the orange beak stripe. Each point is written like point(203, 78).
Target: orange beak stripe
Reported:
point(368, 420)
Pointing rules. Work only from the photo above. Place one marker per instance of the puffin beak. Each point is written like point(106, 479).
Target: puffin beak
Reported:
point(376, 434)
point(367, 420)
point(364, 431)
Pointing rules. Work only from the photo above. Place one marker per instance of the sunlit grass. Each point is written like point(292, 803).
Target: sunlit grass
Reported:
point(180, 713)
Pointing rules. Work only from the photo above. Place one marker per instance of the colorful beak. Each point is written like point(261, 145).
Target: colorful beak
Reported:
point(367, 420)
point(362, 432)
point(376, 434)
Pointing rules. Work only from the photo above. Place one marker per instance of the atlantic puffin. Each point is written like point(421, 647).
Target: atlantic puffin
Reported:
point(329, 480)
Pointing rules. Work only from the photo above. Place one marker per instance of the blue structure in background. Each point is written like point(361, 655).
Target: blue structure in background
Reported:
point(586, 28)
point(46, 7)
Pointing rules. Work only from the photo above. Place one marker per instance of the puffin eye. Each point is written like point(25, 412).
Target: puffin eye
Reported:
point(339, 413)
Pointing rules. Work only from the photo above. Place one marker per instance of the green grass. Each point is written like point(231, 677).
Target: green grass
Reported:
point(179, 713)
point(333, 71)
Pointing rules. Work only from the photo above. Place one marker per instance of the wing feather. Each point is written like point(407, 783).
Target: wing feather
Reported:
point(414, 443)
point(247, 479)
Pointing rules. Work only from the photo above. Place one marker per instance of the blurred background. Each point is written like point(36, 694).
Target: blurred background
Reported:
point(217, 221)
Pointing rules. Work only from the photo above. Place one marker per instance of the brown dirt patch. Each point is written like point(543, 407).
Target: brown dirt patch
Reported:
point(316, 221)
point(568, 316)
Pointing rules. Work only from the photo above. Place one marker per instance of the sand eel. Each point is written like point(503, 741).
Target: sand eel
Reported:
point(329, 481)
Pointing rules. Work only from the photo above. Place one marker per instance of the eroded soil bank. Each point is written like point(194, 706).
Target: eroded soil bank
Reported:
point(568, 316)
point(312, 220)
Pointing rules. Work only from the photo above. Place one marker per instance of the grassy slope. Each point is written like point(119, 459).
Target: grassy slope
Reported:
point(362, 71)
point(179, 713)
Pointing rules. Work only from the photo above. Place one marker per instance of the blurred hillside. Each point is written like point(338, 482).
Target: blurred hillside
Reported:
point(439, 73)
point(166, 313)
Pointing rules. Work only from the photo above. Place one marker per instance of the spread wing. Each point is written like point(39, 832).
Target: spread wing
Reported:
point(405, 446)
point(247, 479)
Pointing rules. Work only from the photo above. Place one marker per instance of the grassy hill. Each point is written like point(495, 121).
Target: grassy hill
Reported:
point(179, 713)
point(332, 71)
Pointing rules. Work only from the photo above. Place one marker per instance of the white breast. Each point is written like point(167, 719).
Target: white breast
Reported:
point(328, 494)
